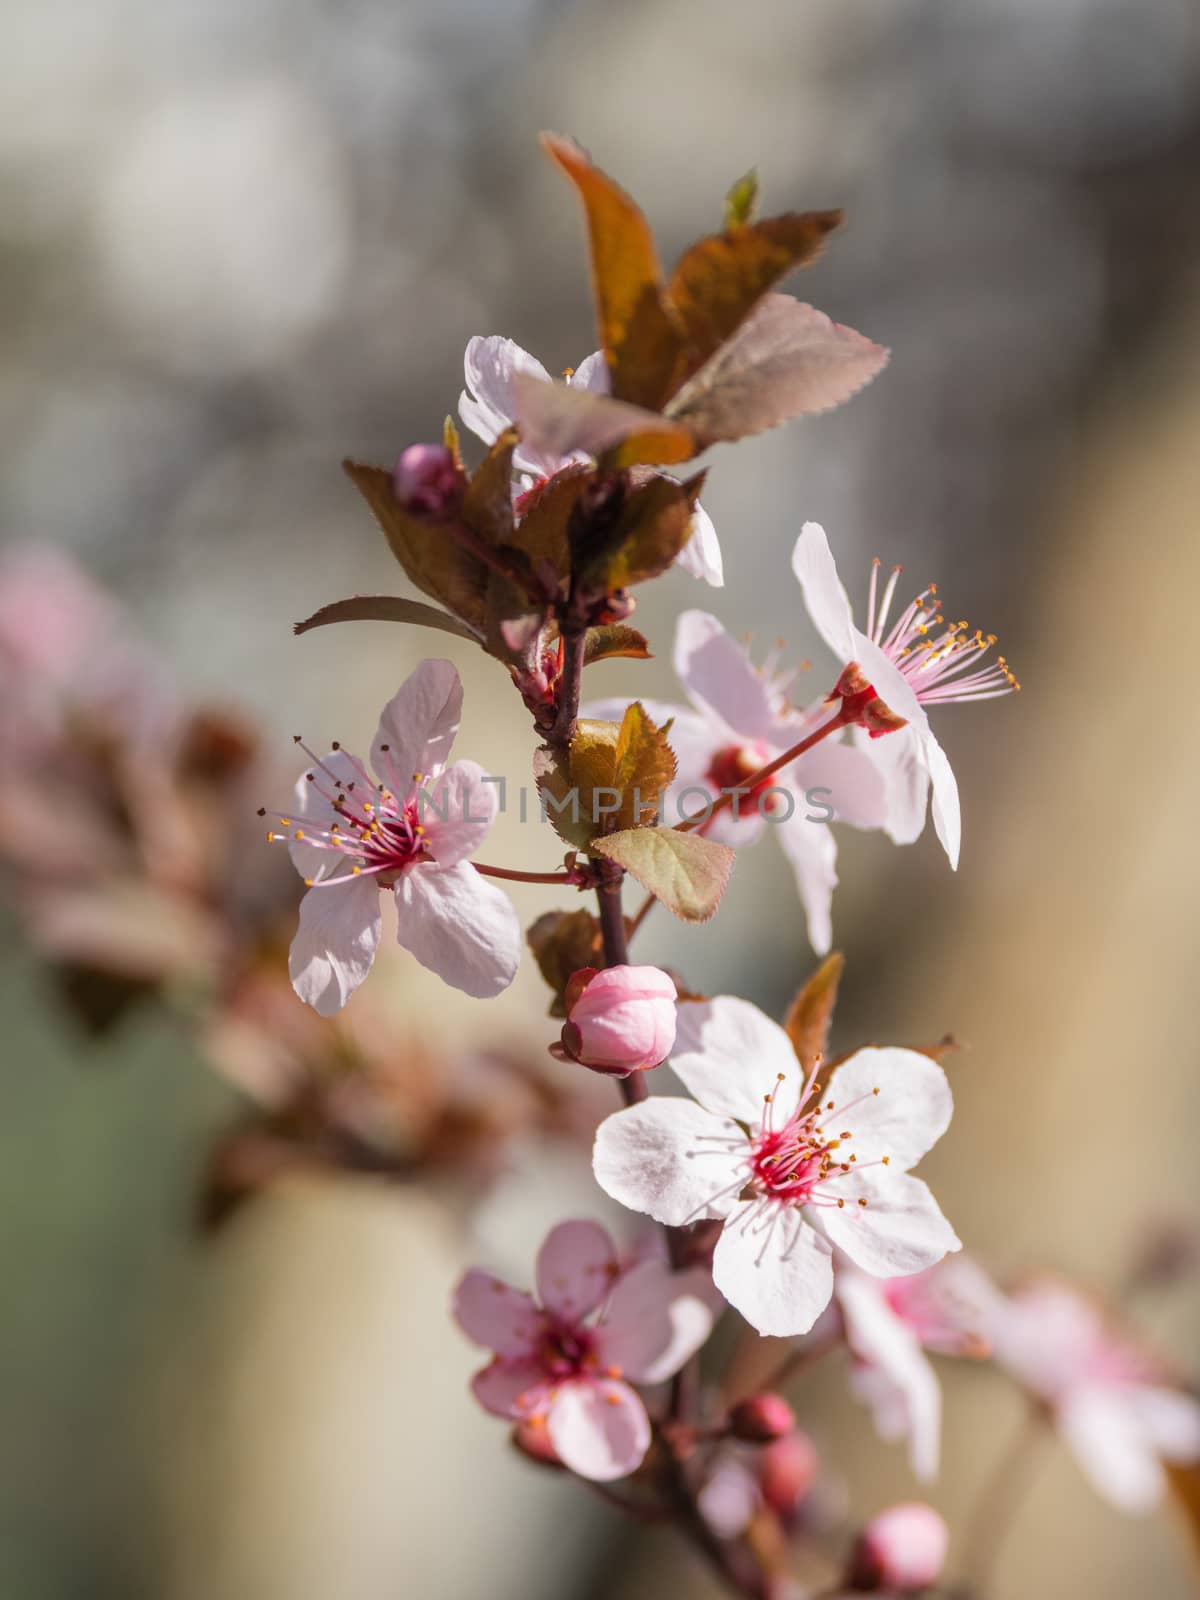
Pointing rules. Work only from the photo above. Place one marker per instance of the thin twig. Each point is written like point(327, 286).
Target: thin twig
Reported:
point(726, 797)
point(998, 1501)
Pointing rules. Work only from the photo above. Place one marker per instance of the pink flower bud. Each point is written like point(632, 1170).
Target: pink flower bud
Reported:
point(761, 1418)
point(426, 481)
point(902, 1549)
point(787, 1470)
point(619, 1020)
point(532, 1439)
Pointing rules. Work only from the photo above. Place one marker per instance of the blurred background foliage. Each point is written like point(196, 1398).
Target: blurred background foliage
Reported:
point(241, 240)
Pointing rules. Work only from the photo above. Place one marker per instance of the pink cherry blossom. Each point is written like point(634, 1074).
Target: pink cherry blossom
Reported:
point(791, 1176)
point(620, 1019)
point(488, 405)
point(1110, 1400)
point(889, 1323)
point(737, 720)
point(570, 1357)
point(911, 666)
point(408, 829)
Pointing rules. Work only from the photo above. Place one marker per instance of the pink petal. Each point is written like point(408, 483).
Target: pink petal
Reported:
point(495, 1315)
point(599, 1429)
point(490, 366)
point(576, 1267)
point(947, 815)
point(655, 1322)
point(417, 726)
point(773, 1268)
point(314, 805)
point(457, 811)
point(592, 374)
point(335, 943)
point(898, 758)
point(1113, 1450)
point(729, 1054)
point(511, 1388)
point(718, 675)
point(812, 851)
point(893, 1378)
point(460, 926)
point(907, 1117)
point(854, 785)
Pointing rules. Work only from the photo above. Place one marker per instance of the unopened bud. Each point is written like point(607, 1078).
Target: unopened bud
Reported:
point(787, 1470)
point(426, 481)
point(761, 1418)
point(902, 1550)
point(532, 1439)
point(619, 1020)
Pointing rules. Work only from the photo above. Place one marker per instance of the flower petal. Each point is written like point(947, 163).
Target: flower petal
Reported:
point(701, 555)
point(457, 811)
point(729, 1054)
point(490, 365)
point(812, 850)
point(897, 1103)
point(417, 726)
point(947, 814)
point(314, 804)
point(656, 1320)
point(853, 785)
point(824, 596)
point(906, 781)
point(335, 943)
point(460, 926)
point(719, 677)
point(511, 1388)
point(773, 1268)
point(1170, 1418)
point(592, 374)
point(899, 1231)
point(893, 1377)
point(671, 1159)
point(1112, 1448)
point(576, 1268)
point(495, 1315)
point(599, 1429)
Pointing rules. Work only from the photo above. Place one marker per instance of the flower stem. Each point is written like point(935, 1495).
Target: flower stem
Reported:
point(514, 876)
point(998, 1502)
point(570, 683)
point(725, 799)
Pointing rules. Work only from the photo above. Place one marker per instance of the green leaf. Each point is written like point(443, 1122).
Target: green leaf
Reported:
point(686, 872)
point(741, 201)
point(385, 608)
point(645, 766)
point(615, 639)
point(634, 323)
point(435, 562)
point(811, 1012)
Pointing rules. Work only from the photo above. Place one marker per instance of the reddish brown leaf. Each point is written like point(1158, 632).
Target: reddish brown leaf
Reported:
point(385, 608)
point(614, 639)
point(487, 502)
point(811, 1012)
point(557, 419)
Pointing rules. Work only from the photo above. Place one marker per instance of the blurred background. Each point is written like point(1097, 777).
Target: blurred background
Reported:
point(243, 238)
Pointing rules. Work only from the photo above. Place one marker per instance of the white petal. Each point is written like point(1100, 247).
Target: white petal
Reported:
point(656, 1320)
point(701, 555)
point(773, 1268)
point(457, 810)
point(671, 1159)
point(495, 1315)
point(894, 1378)
point(489, 366)
point(592, 374)
point(1170, 1419)
point(812, 850)
point(947, 815)
point(599, 1429)
point(848, 781)
point(898, 1232)
point(576, 1266)
point(460, 926)
point(1113, 1450)
point(824, 596)
point(417, 726)
point(729, 1055)
point(335, 943)
point(906, 781)
point(890, 683)
point(314, 804)
point(719, 676)
point(907, 1117)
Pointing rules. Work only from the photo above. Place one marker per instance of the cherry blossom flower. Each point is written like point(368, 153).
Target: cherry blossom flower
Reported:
point(488, 405)
point(911, 666)
point(903, 1550)
point(619, 1019)
point(889, 1323)
point(568, 1359)
point(737, 720)
point(408, 829)
point(791, 1175)
point(1109, 1399)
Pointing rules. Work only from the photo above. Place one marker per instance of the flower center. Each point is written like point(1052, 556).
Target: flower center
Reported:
point(734, 763)
point(940, 660)
point(373, 829)
point(566, 1351)
point(802, 1161)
